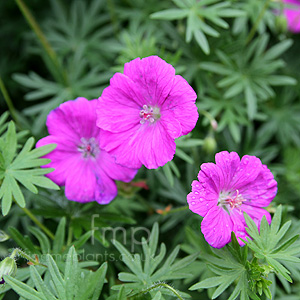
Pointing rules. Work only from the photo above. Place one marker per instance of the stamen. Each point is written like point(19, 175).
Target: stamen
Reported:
point(88, 147)
point(226, 200)
point(149, 113)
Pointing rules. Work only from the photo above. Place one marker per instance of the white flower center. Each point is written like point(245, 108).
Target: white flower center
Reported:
point(149, 114)
point(88, 148)
point(230, 200)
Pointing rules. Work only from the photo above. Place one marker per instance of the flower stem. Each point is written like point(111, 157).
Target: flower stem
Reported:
point(26, 256)
point(48, 49)
point(37, 222)
point(175, 210)
point(8, 101)
point(157, 285)
point(259, 18)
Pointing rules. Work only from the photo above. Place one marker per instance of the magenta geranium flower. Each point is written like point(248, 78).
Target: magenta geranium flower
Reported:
point(87, 171)
point(143, 111)
point(227, 189)
point(292, 13)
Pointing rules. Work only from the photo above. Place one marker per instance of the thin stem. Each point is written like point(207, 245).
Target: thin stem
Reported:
point(70, 235)
point(259, 18)
point(37, 30)
point(175, 210)
point(8, 101)
point(37, 222)
point(157, 285)
point(26, 256)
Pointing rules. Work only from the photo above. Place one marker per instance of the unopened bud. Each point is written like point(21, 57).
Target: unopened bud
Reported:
point(209, 144)
point(8, 266)
point(281, 24)
point(214, 124)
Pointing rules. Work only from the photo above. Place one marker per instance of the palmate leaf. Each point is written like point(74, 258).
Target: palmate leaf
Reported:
point(21, 168)
point(230, 267)
point(252, 9)
point(273, 245)
point(75, 283)
point(149, 269)
point(197, 14)
point(251, 72)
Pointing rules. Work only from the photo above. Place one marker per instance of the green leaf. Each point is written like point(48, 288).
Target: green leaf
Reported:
point(56, 277)
point(170, 14)
point(42, 238)
point(40, 285)
point(202, 41)
point(71, 273)
point(10, 146)
point(59, 238)
point(24, 290)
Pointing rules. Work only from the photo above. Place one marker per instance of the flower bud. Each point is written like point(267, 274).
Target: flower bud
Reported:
point(7, 267)
point(281, 24)
point(209, 144)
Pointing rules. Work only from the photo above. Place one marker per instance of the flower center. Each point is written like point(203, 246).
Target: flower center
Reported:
point(228, 200)
point(149, 113)
point(88, 148)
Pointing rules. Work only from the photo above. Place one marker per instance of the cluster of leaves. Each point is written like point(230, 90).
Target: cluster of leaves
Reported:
point(234, 54)
point(22, 167)
point(75, 283)
point(274, 249)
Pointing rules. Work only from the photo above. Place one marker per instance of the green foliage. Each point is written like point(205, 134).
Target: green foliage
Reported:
point(75, 283)
point(236, 56)
point(147, 271)
point(21, 168)
point(197, 14)
point(273, 245)
point(252, 9)
point(250, 72)
point(273, 249)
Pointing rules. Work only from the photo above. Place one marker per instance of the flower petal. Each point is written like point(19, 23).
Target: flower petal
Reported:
point(228, 164)
point(181, 101)
point(108, 165)
point(261, 191)
point(152, 76)
point(149, 145)
point(200, 200)
point(246, 173)
point(120, 105)
point(81, 183)
point(68, 119)
point(62, 157)
point(216, 227)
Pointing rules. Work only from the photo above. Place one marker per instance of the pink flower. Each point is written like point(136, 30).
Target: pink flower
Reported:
point(87, 171)
point(143, 111)
point(227, 189)
point(292, 13)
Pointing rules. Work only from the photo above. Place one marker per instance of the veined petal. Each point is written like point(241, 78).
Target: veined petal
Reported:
point(107, 164)
point(152, 76)
point(106, 189)
point(181, 102)
point(64, 155)
point(216, 227)
point(261, 191)
point(81, 183)
point(247, 172)
point(201, 200)
point(68, 119)
point(228, 163)
point(120, 105)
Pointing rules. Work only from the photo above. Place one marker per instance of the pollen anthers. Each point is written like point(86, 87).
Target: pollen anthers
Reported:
point(88, 147)
point(227, 199)
point(149, 113)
